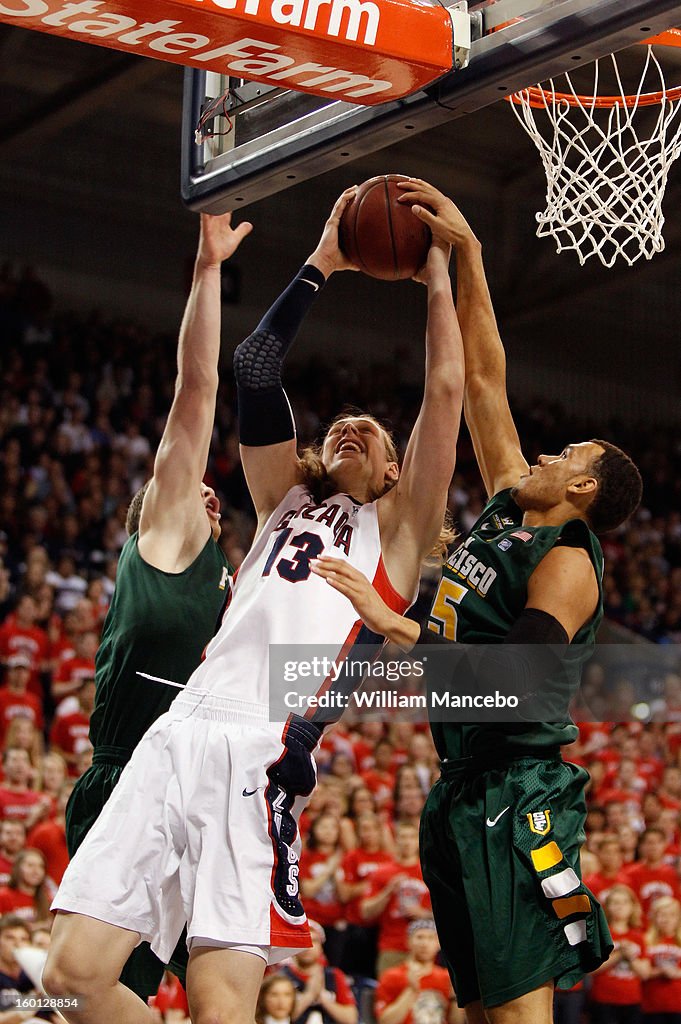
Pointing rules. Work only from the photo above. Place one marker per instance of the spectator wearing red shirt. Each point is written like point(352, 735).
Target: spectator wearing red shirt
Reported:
point(397, 896)
point(595, 820)
point(611, 871)
point(70, 733)
point(336, 741)
point(408, 795)
point(651, 809)
point(650, 764)
point(15, 700)
point(624, 784)
point(22, 733)
point(319, 866)
point(72, 672)
point(662, 990)
point(670, 823)
point(669, 792)
point(63, 640)
point(423, 759)
point(381, 778)
point(597, 773)
point(628, 844)
point(650, 877)
point(342, 767)
point(615, 815)
point(594, 736)
point(12, 841)
point(17, 800)
point(418, 991)
point(276, 1000)
point(400, 735)
point(49, 837)
point(364, 748)
point(19, 634)
point(361, 801)
point(616, 985)
point(53, 773)
point(320, 988)
point(354, 875)
point(27, 894)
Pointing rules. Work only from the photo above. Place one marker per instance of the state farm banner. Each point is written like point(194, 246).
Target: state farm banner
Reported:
point(364, 51)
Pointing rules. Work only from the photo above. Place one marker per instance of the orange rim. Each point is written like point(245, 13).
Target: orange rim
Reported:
point(672, 37)
point(539, 97)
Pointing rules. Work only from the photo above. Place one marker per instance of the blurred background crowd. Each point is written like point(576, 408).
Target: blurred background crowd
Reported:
point(82, 408)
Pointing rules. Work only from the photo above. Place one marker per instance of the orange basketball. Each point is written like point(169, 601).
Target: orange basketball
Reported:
point(381, 236)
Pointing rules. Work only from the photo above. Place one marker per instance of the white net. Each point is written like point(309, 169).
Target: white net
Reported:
point(605, 184)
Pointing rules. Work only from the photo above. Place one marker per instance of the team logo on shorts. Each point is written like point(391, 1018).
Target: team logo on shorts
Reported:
point(540, 822)
point(505, 544)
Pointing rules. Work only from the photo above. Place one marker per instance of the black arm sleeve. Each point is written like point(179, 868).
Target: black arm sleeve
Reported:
point(518, 666)
point(264, 412)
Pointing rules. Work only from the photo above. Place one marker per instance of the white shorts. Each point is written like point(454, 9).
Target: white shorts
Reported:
point(202, 829)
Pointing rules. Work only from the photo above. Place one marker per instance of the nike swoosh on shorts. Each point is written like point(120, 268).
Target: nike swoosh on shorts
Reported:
point(249, 792)
point(491, 822)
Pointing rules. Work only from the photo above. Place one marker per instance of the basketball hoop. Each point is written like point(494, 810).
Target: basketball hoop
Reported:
point(605, 184)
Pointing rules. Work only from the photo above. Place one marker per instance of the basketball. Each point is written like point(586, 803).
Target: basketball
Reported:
point(382, 236)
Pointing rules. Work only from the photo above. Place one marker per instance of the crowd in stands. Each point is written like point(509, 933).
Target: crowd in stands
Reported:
point(82, 407)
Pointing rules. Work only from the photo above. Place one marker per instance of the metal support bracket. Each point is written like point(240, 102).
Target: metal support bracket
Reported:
point(461, 33)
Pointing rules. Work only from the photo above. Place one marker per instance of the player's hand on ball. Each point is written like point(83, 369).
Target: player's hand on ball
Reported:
point(218, 239)
point(446, 222)
point(328, 257)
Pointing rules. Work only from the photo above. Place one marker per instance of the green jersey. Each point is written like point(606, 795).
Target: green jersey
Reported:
point(158, 623)
point(482, 592)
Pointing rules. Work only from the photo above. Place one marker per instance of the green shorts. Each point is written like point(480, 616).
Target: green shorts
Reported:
point(500, 855)
point(143, 971)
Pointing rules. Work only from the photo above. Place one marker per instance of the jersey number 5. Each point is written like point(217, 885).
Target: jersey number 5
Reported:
point(444, 615)
point(298, 568)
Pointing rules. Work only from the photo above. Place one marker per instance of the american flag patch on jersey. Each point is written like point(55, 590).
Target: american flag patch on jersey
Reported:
point(522, 535)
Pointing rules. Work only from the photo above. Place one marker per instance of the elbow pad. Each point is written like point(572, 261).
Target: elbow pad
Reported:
point(264, 411)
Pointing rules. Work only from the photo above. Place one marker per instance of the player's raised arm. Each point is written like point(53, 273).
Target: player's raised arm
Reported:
point(412, 513)
point(486, 407)
point(266, 428)
point(173, 524)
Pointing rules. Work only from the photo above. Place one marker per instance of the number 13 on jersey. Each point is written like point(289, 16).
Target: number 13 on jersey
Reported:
point(443, 618)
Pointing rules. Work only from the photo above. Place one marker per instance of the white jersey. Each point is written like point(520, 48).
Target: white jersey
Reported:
point(277, 599)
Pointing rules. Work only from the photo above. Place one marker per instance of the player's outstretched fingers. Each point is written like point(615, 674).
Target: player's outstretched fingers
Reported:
point(338, 574)
point(218, 239)
point(343, 200)
point(354, 585)
point(328, 256)
point(416, 189)
point(435, 209)
point(241, 230)
point(426, 216)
